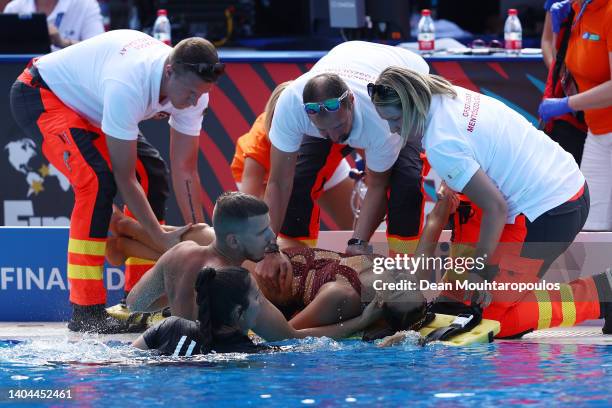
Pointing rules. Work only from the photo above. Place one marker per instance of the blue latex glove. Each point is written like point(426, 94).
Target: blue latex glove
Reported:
point(553, 107)
point(558, 13)
point(548, 4)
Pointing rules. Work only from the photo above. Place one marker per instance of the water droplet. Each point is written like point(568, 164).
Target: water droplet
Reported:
point(350, 399)
point(308, 401)
point(19, 377)
point(265, 396)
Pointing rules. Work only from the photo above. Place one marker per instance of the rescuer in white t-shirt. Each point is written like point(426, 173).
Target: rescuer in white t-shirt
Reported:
point(322, 117)
point(494, 156)
point(84, 103)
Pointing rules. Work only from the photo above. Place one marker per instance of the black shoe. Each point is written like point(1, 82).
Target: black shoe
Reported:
point(603, 283)
point(607, 314)
point(95, 319)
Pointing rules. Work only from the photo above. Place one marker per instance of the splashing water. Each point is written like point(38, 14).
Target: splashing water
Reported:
point(314, 371)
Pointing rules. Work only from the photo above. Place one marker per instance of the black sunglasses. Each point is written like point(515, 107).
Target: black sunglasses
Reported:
point(381, 90)
point(206, 69)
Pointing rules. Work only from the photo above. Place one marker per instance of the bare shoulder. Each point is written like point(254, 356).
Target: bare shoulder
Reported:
point(185, 255)
point(186, 246)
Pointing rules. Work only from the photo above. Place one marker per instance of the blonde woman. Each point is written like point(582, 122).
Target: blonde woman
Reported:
point(251, 167)
point(493, 155)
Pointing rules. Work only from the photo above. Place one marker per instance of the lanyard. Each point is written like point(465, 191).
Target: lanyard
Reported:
point(582, 8)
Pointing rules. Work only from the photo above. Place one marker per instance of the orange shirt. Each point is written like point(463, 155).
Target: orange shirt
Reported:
point(254, 144)
point(588, 57)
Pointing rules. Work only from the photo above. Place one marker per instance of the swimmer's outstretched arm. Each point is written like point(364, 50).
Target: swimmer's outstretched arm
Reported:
point(272, 325)
point(335, 302)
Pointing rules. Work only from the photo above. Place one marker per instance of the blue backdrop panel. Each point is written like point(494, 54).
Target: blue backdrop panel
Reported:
point(33, 280)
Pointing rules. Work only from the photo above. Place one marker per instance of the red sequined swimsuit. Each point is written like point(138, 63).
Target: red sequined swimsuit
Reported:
point(312, 268)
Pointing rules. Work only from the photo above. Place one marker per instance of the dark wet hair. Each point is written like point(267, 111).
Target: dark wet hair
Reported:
point(324, 86)
point(411, 320)
point(396, 320)
point(232, 209)
point(218, 294)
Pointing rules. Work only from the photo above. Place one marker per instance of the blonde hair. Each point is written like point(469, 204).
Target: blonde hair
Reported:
point(271, 104)
point(413, 92)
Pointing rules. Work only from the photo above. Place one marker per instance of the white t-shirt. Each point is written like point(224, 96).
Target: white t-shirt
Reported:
point(472, 131)
point(357, 63)
point(75, 19)
point(113, 80)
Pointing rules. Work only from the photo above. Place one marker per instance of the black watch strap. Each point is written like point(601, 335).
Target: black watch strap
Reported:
point(272, 248)
point(357, 241)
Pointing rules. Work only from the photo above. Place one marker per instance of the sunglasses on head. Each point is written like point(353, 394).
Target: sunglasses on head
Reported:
point(206, 69)
point(380, 90)
point(329, 105)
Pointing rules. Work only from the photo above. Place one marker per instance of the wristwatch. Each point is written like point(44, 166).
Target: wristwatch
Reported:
point(357, 241)
point(272, 248)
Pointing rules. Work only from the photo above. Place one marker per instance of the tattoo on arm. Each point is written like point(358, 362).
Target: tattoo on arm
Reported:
point(188, 186)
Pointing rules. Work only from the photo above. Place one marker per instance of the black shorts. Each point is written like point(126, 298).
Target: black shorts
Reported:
point(318, 158)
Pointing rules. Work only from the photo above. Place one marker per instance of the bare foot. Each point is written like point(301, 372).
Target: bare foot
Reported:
point(113, 253)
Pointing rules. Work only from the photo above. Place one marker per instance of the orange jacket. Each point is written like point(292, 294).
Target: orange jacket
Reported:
point(588, 58)
point(254, 144)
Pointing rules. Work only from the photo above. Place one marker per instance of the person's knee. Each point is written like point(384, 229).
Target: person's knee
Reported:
point(200, 227)
point(201, 233)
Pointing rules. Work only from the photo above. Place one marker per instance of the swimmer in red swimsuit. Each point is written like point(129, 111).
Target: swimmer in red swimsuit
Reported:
point(323, 287)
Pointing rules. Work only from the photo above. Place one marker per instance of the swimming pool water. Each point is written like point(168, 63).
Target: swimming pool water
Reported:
point(319, 372)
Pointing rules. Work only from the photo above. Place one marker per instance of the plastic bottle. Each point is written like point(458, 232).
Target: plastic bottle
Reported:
point(161, 28)
point(513, 33)
point(134, 19)
point(105, 12)
point(426, 33)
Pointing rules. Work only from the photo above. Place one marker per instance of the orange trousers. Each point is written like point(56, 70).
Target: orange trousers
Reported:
point(316, 162)
point(522, 312)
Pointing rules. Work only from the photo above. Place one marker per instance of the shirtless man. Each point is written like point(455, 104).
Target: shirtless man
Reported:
point(242, 232)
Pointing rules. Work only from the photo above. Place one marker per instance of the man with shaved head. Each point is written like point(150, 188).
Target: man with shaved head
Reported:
point(325, 115)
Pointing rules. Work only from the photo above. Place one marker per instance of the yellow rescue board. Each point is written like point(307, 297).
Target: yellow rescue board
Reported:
point(121, 312)
point(483, 333)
